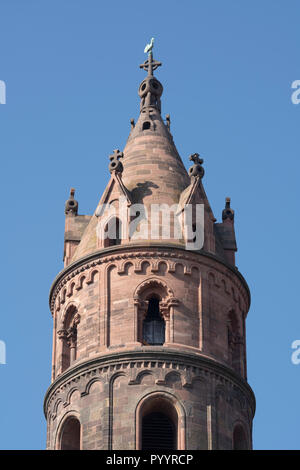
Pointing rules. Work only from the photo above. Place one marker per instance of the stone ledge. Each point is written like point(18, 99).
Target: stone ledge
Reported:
point(159, 354)
point(135, 248)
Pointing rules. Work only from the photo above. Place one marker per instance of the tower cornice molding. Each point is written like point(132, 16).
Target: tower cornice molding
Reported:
point(132, 251)
point(108, 365)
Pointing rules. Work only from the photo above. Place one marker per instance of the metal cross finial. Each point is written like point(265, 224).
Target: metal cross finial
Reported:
point(195, 158)
point(150, 64)
point(115, 164)
point(116, 155)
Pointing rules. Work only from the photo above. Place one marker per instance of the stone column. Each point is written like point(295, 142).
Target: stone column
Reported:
point(62, 336)
point(167, 311)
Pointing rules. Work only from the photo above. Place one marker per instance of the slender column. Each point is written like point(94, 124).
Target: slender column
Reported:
point(62, 336)
point(200, 310)
point(172, 324)
point(209, 427)
point(244, 359)
point(102, 307)
point(167, 321)
point(72, 337)
point(167, 310)
point(104, 311)
point(54, 340)
point(141, 314)
point(136, 332)
point(72, 353)
point(164, 311)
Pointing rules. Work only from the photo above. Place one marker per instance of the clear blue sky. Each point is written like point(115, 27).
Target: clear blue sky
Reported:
point(71, 71)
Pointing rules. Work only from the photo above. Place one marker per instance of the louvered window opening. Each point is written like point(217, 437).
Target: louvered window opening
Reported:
point(158, 432)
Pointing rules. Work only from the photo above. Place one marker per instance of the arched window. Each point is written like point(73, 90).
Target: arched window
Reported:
point(68, 336)
point(70, 434)
point(154, 305)
point(113, 229)
point(234, 342)
point(153, 325)
point(239, 438)
point(158, 424)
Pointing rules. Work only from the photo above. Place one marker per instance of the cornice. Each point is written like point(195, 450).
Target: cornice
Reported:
point(133, 250)
point(114, 361)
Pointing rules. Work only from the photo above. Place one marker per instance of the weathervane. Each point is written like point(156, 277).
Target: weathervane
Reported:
point(149, 47)
point(150, 64)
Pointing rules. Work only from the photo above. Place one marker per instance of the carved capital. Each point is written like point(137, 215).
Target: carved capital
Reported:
point(173, 301)
point(62, 334)
point(165, 307)
point(164, 310)
point(76, 320)
point(140, 303)
point(72, 336)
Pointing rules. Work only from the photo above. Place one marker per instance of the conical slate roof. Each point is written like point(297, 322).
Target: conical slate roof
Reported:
point(153, 170)
point(152, 173)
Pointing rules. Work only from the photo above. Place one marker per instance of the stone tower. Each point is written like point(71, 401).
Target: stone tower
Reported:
point(149, 340)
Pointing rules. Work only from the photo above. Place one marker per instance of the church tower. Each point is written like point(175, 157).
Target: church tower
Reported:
point(149, 312)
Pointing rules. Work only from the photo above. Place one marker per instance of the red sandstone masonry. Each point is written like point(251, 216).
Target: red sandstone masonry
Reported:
point(105, 379)
point(199, 325)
